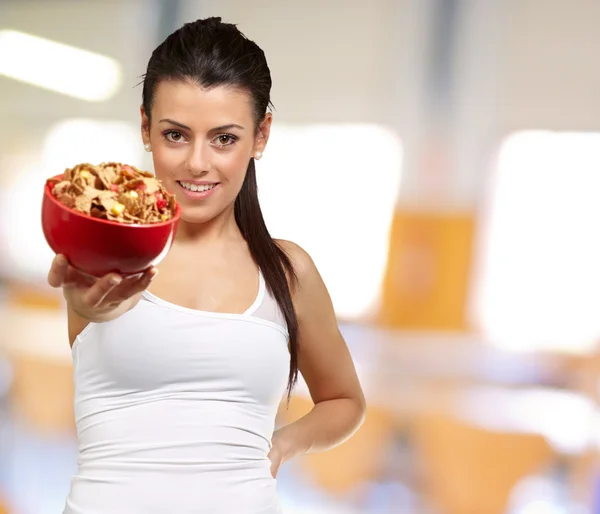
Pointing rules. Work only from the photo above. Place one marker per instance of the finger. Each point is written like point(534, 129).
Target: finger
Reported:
point(77, 278)
point(95, 294)
point(141, 284)
point(58, 271)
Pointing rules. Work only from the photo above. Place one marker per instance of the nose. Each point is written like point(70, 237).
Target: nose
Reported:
point(198, 159)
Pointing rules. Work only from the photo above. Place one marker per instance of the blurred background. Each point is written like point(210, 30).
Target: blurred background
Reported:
point(440, 160)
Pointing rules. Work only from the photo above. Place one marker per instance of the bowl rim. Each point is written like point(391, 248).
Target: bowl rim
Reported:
point(52, 198)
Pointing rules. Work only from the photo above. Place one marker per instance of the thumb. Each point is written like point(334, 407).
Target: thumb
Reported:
point(58, 271)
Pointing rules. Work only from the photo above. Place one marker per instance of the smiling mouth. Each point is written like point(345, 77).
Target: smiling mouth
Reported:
point(197, 188)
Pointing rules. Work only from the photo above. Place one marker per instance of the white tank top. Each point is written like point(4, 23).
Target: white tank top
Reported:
point(175, 409)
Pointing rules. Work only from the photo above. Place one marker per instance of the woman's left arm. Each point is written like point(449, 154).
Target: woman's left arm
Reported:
point(326, 366)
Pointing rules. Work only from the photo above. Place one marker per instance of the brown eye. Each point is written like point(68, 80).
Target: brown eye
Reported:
point(174, 136)
point(225, 140)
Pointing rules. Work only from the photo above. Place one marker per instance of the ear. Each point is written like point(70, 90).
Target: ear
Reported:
point(145, 125)
point(263, 133)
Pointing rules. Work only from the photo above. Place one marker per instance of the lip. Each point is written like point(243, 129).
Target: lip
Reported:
point(199, 182)
point(198, 195)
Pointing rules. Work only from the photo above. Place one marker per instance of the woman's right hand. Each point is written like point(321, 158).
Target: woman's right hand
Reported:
point(95, 299)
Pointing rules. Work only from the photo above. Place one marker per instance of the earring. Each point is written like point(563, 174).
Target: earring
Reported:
point(148, 147)
point(258, 156)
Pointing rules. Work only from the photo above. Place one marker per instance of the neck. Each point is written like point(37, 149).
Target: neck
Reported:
point(222, 227)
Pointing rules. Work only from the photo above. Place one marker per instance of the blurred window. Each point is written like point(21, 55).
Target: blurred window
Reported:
point(333, 189)
point(538, 274)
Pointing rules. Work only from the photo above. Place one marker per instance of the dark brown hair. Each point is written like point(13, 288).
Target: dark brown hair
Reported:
point(212, 53)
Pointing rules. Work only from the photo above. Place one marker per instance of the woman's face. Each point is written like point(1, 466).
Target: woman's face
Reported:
point(202, 141)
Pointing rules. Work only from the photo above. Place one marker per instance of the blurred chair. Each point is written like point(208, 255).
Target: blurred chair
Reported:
point(585, 467)
point(426, 283)
point(35, 338)
point(5, 385)
point(43, 393)
point(470, 470)
point(358, 460)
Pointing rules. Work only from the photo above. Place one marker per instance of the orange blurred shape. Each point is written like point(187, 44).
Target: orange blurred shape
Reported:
point(354, 462)
point(33, 297)
point(427, 277)
point(43, 392)
point(470, 470)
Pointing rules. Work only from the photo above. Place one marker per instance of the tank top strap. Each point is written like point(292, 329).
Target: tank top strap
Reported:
point(266, 307)
point(260, 296)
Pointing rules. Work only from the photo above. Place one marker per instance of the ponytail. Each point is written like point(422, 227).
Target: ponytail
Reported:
point(273, 262)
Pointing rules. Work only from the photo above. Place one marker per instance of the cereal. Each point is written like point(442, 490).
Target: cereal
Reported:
point(115, 192)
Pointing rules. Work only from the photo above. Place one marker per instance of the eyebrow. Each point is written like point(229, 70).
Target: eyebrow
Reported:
point(216, 129)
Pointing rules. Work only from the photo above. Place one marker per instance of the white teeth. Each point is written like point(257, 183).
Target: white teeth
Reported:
point(197, 188)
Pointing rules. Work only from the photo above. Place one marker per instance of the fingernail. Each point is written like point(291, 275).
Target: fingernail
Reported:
point(153, 275)
point(114, 281)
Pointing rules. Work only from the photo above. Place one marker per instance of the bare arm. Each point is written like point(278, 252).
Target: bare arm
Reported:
point(77, 323)
point(327, 368)
point(95, 300)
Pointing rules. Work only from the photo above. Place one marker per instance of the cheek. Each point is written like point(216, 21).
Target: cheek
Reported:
point(166, 162)
point(232, 165)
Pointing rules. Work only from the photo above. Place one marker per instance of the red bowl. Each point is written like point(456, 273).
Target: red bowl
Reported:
point(97, 246)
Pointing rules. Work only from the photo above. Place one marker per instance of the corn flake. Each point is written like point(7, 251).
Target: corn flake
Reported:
point(115, 192)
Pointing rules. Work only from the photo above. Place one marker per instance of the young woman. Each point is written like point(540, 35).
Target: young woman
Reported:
point(178, 375)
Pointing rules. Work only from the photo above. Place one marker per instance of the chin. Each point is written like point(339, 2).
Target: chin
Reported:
point(195, 217)
point(198, 215)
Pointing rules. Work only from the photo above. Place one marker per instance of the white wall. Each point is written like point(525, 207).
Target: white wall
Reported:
point(118, 29)
point(334, 61)
point(123, 30)
point(519, 64)
point(549, 64)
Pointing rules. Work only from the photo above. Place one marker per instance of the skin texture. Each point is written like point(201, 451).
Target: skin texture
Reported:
point(209, 135)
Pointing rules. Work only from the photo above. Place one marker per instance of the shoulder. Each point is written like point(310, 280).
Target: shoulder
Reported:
point(300, 259)
point(310, 291)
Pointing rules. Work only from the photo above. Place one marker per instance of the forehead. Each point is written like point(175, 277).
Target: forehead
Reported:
point(199, 107)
